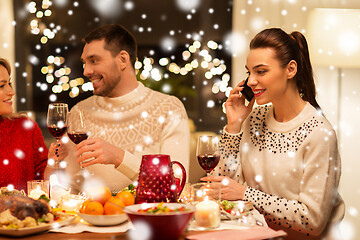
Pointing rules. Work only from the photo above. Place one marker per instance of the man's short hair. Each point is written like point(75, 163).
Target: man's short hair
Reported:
point(117, 38)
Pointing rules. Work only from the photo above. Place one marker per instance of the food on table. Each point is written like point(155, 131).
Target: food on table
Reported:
point(126, 197)
point(92, 208)
point(236, 207)
point(18, 211)
point(101, 202)
point(7, 192)
point(21, 206)
point(227, 205)
point(99, 194)
point(114, 206)
point(131, 188)
point(160, 209)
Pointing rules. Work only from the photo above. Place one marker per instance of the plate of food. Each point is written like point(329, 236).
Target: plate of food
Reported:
point(21, 216)
point(234, 209)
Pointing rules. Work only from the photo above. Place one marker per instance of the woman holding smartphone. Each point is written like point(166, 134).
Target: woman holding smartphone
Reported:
point(283, 155)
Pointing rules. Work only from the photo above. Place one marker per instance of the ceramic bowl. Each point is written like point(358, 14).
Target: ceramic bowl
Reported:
point(160, 226)
point(104, 220)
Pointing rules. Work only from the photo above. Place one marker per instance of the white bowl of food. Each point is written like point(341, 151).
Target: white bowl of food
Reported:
point(104, 220)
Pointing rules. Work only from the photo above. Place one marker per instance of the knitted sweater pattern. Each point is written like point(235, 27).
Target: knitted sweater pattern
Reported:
point(135, 124)
point(141, 122)
point(23, 154)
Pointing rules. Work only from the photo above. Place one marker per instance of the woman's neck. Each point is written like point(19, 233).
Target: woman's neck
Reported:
point(288, 108)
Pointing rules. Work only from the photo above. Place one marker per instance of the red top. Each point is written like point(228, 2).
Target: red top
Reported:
point(23, 153)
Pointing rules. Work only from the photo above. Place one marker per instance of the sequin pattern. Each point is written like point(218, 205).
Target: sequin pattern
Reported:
point(277, 146)
point(293, 211)
point(265, 139)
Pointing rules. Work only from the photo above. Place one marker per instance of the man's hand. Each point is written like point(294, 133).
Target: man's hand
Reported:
point(96, 150)
point(230, 189)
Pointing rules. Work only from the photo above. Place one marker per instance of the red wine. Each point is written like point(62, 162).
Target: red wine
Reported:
point(56, 131)
point(77, 137)
point(208, 162)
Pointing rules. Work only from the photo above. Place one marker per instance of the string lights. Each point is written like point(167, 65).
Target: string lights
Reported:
point(195, 56)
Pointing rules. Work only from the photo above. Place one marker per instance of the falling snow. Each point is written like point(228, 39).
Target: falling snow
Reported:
point(233, 44)
point(19, 154)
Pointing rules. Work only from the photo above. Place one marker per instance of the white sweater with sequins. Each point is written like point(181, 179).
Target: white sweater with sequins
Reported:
point(292, 170)
point(142, 122)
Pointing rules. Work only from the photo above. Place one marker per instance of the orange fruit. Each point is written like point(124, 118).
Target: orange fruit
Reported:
point(126, 197)
point(99, 194)
point(82, 208)
point(93, 208)
point(113, 206)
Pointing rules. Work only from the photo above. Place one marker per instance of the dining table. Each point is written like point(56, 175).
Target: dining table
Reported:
point(95, 236)
point(74, 225)
point(79, 229)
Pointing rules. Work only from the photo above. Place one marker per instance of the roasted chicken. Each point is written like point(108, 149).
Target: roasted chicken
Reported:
point(22, 206)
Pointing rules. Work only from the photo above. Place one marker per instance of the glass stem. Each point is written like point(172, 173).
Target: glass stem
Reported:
point(81, 166)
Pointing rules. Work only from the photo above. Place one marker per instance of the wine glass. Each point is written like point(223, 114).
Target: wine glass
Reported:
point(78, 132)
point(207, 152)
point(57, 122)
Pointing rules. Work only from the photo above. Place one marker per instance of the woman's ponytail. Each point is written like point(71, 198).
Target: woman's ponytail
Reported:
point(304, 77)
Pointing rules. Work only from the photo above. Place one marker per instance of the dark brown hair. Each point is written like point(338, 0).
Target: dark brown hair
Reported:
point(290, 47)
point(5, 63)
point(117, 38)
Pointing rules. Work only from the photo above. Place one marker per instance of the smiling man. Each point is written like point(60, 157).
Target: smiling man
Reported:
point(125, 119)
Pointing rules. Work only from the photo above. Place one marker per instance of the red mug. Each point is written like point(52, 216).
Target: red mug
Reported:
point(156, 181)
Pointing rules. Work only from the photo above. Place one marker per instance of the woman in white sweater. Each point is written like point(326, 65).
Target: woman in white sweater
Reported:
point(283, 156)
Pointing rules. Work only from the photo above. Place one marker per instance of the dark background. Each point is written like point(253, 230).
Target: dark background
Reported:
point(162, 16)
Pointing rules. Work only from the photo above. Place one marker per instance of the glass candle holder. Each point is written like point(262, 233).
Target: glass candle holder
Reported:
point(206, 198)
point(71, 202)
point(36, 188)
point(185, 196)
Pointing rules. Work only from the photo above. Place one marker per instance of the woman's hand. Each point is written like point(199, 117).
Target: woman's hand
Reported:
point(58, 151)
point(236, 110)
point(230, 189)
point(96, 150)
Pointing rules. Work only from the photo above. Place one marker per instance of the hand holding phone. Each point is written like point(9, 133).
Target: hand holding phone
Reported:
point(247, 91)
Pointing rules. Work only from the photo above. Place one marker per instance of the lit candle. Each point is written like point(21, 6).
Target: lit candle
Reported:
point(36, 188)
point(207, 214)
point(36, 193)
point(71, 202)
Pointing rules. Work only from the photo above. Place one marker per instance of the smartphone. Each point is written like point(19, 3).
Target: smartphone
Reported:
point(247, 92)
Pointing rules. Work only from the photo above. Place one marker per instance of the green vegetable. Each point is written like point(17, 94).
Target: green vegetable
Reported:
point(130, 188)
point(42, 219)
point(44, 197)
point(227, 205)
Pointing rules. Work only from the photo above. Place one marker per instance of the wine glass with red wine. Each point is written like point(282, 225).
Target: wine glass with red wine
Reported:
point(57, 122)
point(78, 132)
point(207, 152)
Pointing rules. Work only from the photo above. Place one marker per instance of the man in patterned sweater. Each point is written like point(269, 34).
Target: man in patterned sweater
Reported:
point(125, 119)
